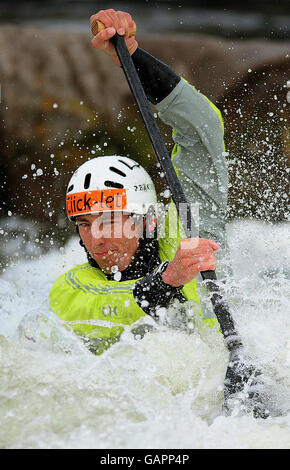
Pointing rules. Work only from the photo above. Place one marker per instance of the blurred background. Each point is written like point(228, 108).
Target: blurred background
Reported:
point(62, 102)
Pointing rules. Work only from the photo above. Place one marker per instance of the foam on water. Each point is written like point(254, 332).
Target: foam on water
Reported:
point(164, 391)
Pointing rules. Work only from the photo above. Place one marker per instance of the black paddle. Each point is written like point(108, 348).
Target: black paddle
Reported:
point(241, 376)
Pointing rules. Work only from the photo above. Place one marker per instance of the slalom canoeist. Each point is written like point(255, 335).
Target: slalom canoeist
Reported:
point(132, 269)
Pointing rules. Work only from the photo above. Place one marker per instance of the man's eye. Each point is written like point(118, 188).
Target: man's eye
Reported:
point(83, 224)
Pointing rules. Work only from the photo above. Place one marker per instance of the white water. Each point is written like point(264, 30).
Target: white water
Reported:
point(165, 391)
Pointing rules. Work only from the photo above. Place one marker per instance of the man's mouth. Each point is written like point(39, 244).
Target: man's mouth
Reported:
point(101, 254)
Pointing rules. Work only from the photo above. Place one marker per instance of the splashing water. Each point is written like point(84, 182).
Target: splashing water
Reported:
point(162, 391)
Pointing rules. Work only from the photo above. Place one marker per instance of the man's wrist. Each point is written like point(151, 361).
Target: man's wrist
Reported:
point(158, 80)
point(151, 292)
point(167, 278)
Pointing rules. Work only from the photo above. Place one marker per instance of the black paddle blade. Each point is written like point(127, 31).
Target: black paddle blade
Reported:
point(244, 386)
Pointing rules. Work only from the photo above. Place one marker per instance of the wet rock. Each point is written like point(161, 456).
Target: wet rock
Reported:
point(63, 102)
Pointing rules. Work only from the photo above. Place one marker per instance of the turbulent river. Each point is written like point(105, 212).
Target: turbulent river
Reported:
point(162, 391)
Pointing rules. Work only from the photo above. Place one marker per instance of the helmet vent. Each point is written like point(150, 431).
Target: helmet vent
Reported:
point(128, 166)
point(87, 181)
point(119, 172)
point(112, 184)
point(70, 188)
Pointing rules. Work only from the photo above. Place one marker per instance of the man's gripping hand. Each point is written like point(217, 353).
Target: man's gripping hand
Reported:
point(193, 256)
point(114, 21)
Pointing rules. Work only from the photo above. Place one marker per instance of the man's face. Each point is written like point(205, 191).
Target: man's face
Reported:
point(111, 238)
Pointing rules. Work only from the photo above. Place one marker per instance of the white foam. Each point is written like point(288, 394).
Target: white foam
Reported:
point(163, 391)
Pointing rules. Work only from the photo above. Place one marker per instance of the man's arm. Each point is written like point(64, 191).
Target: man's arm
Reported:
point(198, 134)
point(198, 154)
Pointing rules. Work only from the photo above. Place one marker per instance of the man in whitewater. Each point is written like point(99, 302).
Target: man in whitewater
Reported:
point(131, 273)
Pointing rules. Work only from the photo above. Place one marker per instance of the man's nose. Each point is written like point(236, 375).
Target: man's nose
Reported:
point(100, 232)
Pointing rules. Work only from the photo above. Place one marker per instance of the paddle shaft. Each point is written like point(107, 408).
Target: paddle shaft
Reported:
point(220, 307)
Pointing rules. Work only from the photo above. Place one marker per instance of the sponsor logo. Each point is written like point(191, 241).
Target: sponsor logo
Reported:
point(99, 200)
point(109, 311)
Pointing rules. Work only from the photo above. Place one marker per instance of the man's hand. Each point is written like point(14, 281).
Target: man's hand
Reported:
point(193, 255)
point(114, 21)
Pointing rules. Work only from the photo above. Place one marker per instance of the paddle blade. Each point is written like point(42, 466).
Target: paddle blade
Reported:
point(243, 386)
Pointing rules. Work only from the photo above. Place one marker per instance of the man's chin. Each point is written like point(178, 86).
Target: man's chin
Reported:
point(107, 268)
point(112, 267)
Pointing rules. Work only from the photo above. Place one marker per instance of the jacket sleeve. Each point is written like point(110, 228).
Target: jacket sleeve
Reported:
point(151, 293)
point(199, 157)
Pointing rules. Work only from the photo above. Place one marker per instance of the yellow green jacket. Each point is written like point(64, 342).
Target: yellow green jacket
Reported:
point(99, 308)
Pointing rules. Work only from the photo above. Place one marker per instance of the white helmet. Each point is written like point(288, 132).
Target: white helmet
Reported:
point(111, 183)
